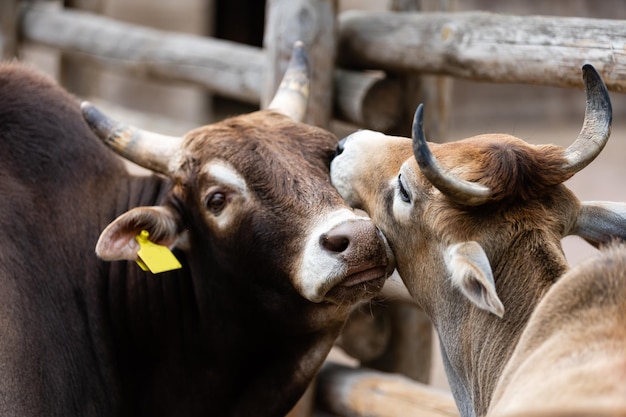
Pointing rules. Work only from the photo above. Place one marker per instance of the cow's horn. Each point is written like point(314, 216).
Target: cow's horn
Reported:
point(596, 127)
point(147, 149)
point(462, 191)
point(292, 95)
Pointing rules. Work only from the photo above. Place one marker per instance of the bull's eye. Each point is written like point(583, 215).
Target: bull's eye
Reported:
point(216, 202)
point(404, 194)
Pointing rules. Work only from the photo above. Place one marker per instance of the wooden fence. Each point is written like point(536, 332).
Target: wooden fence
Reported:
point(368, 70)
point(472, 45)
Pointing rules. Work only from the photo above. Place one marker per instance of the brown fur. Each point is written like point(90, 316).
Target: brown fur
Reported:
point(519, 229)
point(228, 334)
point(570, 357)
point(237, 140)
point(511, 168)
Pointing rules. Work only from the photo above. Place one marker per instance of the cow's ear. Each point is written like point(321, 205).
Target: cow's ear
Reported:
point(601, 222)
point(471, 272)
point(117, 241)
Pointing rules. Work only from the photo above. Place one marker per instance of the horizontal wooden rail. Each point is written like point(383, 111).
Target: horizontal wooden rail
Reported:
point(485, 46)
point(227, 68)
point(8, 12)
point(358, 392)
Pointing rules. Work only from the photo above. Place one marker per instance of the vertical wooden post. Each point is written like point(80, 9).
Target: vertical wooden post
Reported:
point(433, 90)
point(390, 336)
point(408, 348)
point(8, 29)
point(71, 72)
point(312, 22)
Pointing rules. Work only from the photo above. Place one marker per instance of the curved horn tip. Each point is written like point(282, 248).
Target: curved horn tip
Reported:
point(464, 192)
point(299, 56)
point(588, 71)
point(420, 147)
point(418, 121)
point(85, 104)
point(99, 123)
point(593, 81)
point(292, 95)
point(87, 109)
point(596, 126)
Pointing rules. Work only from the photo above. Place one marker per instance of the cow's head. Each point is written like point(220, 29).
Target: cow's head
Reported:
point(453, 211)
point(251, 197)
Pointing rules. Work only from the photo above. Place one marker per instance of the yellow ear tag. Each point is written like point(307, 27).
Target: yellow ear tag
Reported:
point(154, 258)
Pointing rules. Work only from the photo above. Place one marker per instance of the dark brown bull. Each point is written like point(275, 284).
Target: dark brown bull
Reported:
point(476, 228)
point(273, 260)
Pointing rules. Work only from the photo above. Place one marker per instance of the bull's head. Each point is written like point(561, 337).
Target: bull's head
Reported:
point(453, 209)
point(251, 196)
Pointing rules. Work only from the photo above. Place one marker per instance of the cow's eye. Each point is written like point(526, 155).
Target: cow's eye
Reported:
point(216, 202)
point(404, 194)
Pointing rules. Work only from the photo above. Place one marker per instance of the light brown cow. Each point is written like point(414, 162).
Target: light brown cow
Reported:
point(571, 357)
point(476, 228)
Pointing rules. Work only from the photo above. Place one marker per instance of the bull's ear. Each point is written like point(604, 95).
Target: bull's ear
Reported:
point(117, 241)
point(471, 272)
point(601, 222)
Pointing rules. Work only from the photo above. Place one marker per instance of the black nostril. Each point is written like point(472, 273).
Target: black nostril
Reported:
point(340, 146)
point(335, 242)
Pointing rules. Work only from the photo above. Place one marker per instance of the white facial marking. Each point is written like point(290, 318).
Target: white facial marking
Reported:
point(344, 166)
point(224, 175)
point(402, 209)
point(318, 269)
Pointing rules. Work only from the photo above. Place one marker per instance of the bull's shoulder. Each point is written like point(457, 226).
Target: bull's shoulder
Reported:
point(42, 133)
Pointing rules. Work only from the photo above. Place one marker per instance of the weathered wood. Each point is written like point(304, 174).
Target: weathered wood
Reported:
point(409, 351)
point(72, 75)
point(366, 334)
point(436, 90)
point(486, 47)
point(8, 30)
point(390, 334)
point(358, 392)
point(367, 99)
point(313, 23)
point(227, 68)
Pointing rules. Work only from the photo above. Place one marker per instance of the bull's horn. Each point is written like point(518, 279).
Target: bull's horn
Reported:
point(292, 95)
point(464, 192)
point(596, 127)
point(147, 149)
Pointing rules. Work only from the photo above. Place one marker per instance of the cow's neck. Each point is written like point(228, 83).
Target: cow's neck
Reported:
point(138, 191)
point(476, 344)
point(211, 347)
point(195, 326)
